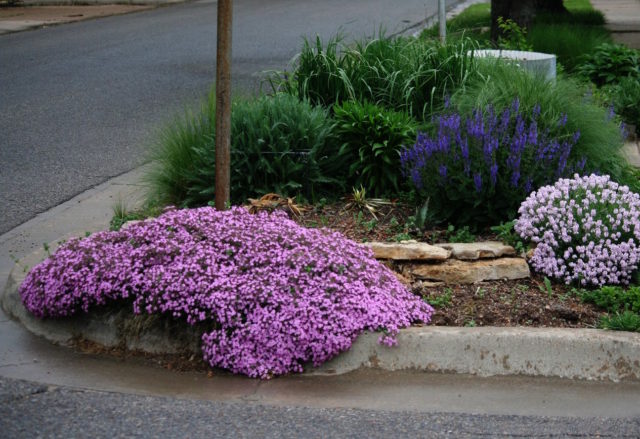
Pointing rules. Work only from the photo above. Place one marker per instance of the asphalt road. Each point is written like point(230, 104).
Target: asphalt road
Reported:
point(80, 102)
point(32, 410)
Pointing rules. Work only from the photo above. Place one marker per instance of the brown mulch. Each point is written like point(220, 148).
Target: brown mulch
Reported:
point(524, 302)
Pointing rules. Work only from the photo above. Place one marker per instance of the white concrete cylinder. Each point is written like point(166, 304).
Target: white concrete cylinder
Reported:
point(539, 63)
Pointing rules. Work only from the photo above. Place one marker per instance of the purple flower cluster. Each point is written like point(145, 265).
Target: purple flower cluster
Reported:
point(277, 295)
point(490, 155)
point(587, 230)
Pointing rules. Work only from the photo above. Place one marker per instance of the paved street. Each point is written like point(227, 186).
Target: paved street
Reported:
point(30, 410)
point(79, 102)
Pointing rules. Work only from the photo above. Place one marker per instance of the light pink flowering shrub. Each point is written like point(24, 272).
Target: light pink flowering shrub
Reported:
point(587, 230)
point(277, 295)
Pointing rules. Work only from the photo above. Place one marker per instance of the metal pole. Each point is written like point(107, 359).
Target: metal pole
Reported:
point(223, 105)
point(442, 19)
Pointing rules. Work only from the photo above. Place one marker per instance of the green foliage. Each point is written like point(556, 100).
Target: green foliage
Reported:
point(281, 145)
point(440, 300)
point(625, 321)
point(546, 287)
point(600, 140)
point(421, 220)
point(508, 235)
point(278, 144)
point(121, 216)
point(568, 41)
point(608, 63)
point(404, 74)
point(513, 37)
point(625, 97)
point(371, 138)
point(613, 298)
point(462, 234)
point(401, 237)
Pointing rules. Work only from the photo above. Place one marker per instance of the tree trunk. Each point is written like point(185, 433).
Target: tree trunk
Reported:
point(521, 11)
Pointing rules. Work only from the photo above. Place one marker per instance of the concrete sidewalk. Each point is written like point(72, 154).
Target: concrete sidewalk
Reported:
point(33, 14)
point(623, 20)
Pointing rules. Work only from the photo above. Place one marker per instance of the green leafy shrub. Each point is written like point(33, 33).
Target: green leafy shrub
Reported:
point(278, 144)
point(403, 74)
point(371, 139)
point(600, 138)
point(609, 63)
point(614, 298)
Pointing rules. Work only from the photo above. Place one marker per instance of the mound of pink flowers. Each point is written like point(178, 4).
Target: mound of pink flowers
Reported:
point(586, 230)
point(277, 295)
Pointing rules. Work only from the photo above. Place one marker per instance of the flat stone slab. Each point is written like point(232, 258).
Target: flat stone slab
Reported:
point(465, 272)
point(408, 251)
point(478, 250)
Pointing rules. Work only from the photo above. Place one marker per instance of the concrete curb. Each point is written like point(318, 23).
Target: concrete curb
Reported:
point(588, 354)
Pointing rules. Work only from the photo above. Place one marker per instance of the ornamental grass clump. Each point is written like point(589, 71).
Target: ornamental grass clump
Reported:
point(275, 295)
point(476, 170)
point(586, 230)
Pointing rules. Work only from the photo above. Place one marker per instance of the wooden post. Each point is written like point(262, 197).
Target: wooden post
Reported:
point(223, 105)
point(442, 20)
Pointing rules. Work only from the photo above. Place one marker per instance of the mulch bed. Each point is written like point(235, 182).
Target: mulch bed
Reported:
point(524, 302)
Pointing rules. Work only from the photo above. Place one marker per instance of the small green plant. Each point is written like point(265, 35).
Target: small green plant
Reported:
point(121, 215)
point(462, 234)
point(421, 219)
point(513, 37)
point(440, 300)
point(46, 248)
point(402, 237)
point(394, 223)
point(470, 324)
point(625, 321)
point(359, 200)
point(370, 225)
point(507, 234)
point(480, 292)
point(371, 137)
point(546, 287)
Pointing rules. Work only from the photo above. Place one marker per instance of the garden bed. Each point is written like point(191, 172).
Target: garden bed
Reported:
point(523, 302)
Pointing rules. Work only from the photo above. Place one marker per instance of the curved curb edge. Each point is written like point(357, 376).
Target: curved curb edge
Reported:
point(589, 354)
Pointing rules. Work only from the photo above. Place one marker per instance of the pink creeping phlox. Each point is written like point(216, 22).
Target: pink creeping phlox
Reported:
point(278, 295)
point(587, 230)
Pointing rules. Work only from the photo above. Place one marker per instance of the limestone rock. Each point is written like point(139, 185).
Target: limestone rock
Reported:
point(454, 271)
point(407, 251)
point(478, 250)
